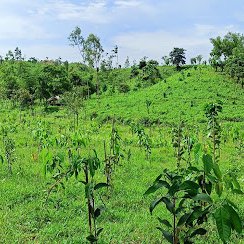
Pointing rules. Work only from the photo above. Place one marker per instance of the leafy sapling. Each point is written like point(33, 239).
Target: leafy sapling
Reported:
point(113, 157)
point(183, 201)
point(178, 142)
point(79, 167)
point(143, 139)
point(148, 104)
point(214, 130)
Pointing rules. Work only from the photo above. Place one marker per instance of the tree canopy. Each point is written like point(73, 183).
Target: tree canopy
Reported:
point(177, 57)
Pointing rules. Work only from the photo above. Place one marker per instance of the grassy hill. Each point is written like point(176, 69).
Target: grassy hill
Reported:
point(182, 95)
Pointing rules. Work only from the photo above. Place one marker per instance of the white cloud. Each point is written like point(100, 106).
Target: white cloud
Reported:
point(91, 11)
point(127, 3)
point(14, 27)
point(213, 31)
point(52, 52)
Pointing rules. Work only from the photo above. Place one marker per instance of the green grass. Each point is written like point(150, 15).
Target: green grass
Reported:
point(25, 217)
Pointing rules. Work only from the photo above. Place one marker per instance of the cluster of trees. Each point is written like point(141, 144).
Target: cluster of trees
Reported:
point(196, 60)
point(228, 55)
point(25, 81)
point(146, 71)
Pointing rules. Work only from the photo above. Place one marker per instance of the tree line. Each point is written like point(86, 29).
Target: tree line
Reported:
point(26, 81)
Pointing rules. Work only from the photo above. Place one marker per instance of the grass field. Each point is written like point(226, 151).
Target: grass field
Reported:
point(27, 217)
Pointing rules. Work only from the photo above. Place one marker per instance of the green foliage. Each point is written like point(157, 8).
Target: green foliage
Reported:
point(76, 166)
point(177, 57)
point(184, 202)
point(124, 88)
point(225, 46)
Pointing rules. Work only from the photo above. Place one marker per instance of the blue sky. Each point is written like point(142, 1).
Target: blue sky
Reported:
point(139, 27)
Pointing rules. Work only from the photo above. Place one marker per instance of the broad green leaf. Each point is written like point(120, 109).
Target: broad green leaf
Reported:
point(207, 162)
point(197, 151)
point(1, 159)
point(92, 168)
point(158, 178)
point(167, 235)
point(235, 218)
point(100, 185)
point(223, 223)
point(197, 213)
point(199, 231)
point(212, 178)
point(99, 231)
point(202, 197)
point(165, 222)
point(217, 171)
point(168, 203)
point(189, 185)
point(209, 187)
point(156, 186)
point(183, 219)
point(232, 204)
point(219, 188)
point(235, 183)
point(174, 188)
point(237, 191)
point(155, 203)
point(97, 213)
point(195, 169)
point(91, 238)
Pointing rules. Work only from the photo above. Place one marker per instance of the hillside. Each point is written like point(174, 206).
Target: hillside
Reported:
point(182, 95)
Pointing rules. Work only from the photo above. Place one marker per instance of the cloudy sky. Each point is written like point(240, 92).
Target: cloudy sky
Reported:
point(139, 27)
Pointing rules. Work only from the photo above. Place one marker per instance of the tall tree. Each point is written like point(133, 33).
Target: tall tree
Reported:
point(177, 57)
point(77, 40)
point(116, 52)
point(93, 53)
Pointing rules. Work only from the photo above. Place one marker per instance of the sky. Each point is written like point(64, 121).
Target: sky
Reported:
point(151, 28)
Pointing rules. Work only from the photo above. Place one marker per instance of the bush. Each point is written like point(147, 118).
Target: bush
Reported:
point(124, 88)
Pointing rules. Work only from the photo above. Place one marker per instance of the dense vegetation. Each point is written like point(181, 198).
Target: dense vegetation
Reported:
point(141, 154)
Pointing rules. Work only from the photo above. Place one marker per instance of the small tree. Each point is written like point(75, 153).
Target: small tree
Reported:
point(193, 61)
point(199, 58)
point(177, 57)
point(127, 63)
point(166, 60)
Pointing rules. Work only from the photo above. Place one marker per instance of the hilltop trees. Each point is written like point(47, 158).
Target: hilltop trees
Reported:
point(228, 54)
point(235, 66)
point(224, 47)
point(177, 57)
